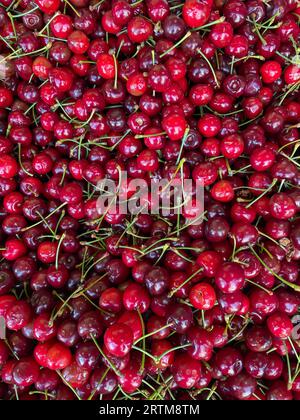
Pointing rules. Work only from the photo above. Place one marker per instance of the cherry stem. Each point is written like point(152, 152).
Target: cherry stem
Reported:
point(287, 283)
point(46, 218)
point(269, 292)
point(58, 249)
point(112, 366)
point(186, 36)
point(210, 66)
point(68, 385)
point(275, 180)
point(173, 292)
point(152, 333)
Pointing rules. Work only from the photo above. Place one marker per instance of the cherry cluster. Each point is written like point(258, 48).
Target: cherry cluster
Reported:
point(114, 306)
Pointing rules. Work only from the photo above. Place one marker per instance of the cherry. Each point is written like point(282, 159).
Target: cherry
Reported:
point(232, 146)
point(90, 325)
point(135, 297)
point(221, 35)
point(202, 296)
point(4, 353)
point(180, 317)
point(43, 328)
point(209, 261)
point(258, 339)
point(47, 381)
point(282, 206)
point(292, 74)
point(270, 71)
point(87, 355)
point(25, 372)
point(228, 362)
point(279, 392)
point(8, 167)
point(6, 98)
point(186, 371)
point(58, 357)
point(148, 161)
point(157, 281)
point(131, 378)
point(61, 26)
point(49, 7)
point(230, 278)
point(75, 375)
point(195, 13)
point(175, 126)
point(78, 42)
point(122, 12)
point(18, 315)
point(280, 325)
point(209, 125)
point(67, 333)
point(205, 173)
point(105, 386)
point(202, 346)
point(111, 300)
point(118, 340)
point(139, 29)
point(242, 386)
point(274, 367)
point(223, 191)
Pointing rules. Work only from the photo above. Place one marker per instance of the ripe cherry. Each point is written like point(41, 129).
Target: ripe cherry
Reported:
point(230, 278)
point(18, 315)
point(195, 13)
point(118, 340)
point(186, 371)
point(280, 325)
point(25, 372)
point(175, 126)
point(8, 167)
point(58, 357)
point(139, 29)
point(223, 191)
point(202, 296)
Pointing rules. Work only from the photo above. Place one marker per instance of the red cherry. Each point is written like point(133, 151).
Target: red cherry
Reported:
point(25, 372)
point(186, 371)
point(280, 325)
point(8, 167)
point(48, 6)
point(18, 315)
point(270, 71)
point(223, 191)
point(209, 125)
point(118, 340)
point(232, 146)
point(139, 29)
point(221, 35)
point(78, 42)
point(106, 66)
point(292, 74)
point(202, 296)
point(175, 126)
point(195, 13)
point(122, 12)
point(14, 249)
point(61, 26)
point(58, 357)
point(6, 97)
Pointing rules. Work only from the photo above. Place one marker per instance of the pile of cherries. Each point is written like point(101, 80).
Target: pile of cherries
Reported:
point(150, 307)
